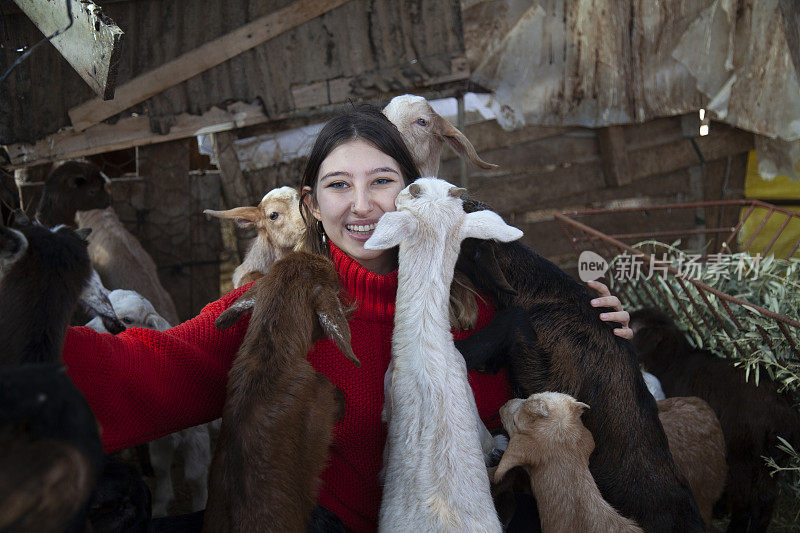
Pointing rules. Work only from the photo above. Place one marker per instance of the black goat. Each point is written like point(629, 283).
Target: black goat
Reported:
point(552, 339)
point(752, 417)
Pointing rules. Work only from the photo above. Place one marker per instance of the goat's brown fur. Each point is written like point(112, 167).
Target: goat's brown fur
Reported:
point(698, 447)
point(279, 413)
point(551, 443)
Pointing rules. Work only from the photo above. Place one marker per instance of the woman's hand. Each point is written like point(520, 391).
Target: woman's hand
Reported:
point(607, 300)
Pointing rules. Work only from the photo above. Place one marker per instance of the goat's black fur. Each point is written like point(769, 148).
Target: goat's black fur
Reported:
point(552, 339)
point(70, 187)
point(752, 417)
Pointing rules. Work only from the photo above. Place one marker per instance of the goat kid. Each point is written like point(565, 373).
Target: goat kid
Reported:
point(279, 225)
point(551, 339)
point(278, 417)
point(548, 439)
point(752, 417)
point(425, 132)
point(435, 478)
point(70, 187)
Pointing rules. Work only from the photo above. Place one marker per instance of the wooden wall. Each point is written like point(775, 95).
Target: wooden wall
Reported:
point(544, 170)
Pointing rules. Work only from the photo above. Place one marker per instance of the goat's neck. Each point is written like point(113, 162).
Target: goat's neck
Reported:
point(423, 290)
point(35, 320)
point(51, 213)
point(567, 495)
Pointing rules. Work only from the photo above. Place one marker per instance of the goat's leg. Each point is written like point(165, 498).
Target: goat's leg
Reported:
point(491, 446)
point(161, 453)
point(196, 445)
point(762, 501)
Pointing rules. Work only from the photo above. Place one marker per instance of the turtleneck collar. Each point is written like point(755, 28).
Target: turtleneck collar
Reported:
point(375, 293)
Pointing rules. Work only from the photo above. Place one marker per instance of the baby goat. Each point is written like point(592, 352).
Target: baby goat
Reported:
point(548, 439)
point(425, 132)
point(752, 417)
point(279, 224)
point(50, 451)
point(278, 416)
point(435, 477)
point(552, 339)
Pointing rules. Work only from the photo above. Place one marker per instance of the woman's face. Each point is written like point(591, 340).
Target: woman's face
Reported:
point(356, 184)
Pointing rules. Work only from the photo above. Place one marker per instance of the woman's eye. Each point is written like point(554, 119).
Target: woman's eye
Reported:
point(337, 185)
point(273, 215)
point(422, 122)
point(383, 181)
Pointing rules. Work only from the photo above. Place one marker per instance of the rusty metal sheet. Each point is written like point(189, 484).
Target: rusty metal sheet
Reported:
point(569, 62)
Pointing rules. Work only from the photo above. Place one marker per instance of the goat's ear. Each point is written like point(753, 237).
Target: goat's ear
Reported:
point(333, 321)
point(532, 407)
point(488, 225)
point(20, 218)
point(458, 142)
point(515, 455)
point(242, 216)
point(231, 315)
point(157, 322)
point(83, 233)
point(12, 243)
point(392, 228)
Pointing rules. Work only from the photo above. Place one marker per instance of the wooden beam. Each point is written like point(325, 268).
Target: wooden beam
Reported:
point(200, 59)
point(91, 44)
point(611, 143)
point(129, 132)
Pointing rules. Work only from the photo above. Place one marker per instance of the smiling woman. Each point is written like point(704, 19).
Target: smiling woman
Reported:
point(358, 183)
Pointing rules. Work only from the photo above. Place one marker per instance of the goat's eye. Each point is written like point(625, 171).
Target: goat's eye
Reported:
point(127, 320)
point(273, 215)
point(422, 122)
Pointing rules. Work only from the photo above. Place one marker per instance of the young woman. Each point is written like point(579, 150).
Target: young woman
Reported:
point(143, 384)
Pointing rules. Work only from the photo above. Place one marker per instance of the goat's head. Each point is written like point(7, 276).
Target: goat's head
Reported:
point(134, 310)
point(277, 217)
point(300, 287)
point(545, 424)
point(652, 330)
point(78, 185)
point(425, 132)
point(432, 205)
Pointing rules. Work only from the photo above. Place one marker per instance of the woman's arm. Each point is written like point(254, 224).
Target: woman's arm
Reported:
point(607, 300)
point(142, 384)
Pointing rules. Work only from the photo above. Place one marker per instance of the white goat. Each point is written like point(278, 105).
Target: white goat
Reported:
point(121, 260)
point(425, 132)
point(435, 478)
point(135, 311)
point(279, 225)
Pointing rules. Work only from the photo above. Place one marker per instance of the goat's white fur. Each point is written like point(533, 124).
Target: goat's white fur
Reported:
point(134, 310)
point(435, 476)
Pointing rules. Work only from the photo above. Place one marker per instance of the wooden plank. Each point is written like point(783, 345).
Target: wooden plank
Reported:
point(132, 131)
point(235, 189)
point(200, 59)
point(91, 44)
point(611, 143)
point(488, 135)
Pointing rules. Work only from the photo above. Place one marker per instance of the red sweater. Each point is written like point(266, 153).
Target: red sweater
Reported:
point(143, 384)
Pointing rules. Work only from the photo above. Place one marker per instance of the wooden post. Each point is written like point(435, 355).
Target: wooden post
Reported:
point(235, 190)
point(611, 143)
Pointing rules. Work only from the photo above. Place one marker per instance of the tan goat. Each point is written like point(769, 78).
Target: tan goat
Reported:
point(279, 224)
point(548, 439)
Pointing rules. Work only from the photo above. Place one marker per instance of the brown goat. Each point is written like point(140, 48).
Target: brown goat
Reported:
point(548, 439)
point(698, 447)
point(279, 413)
point(70, 187)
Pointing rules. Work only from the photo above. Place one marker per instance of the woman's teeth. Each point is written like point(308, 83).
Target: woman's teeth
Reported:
point(360, 229)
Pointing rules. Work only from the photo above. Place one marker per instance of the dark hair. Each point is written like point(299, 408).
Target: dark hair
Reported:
point(364, 122)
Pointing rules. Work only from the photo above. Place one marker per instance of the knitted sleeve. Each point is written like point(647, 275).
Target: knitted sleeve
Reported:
point(142, 384)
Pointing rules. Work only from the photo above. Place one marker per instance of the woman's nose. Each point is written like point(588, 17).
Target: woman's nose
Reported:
point(362, 202)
